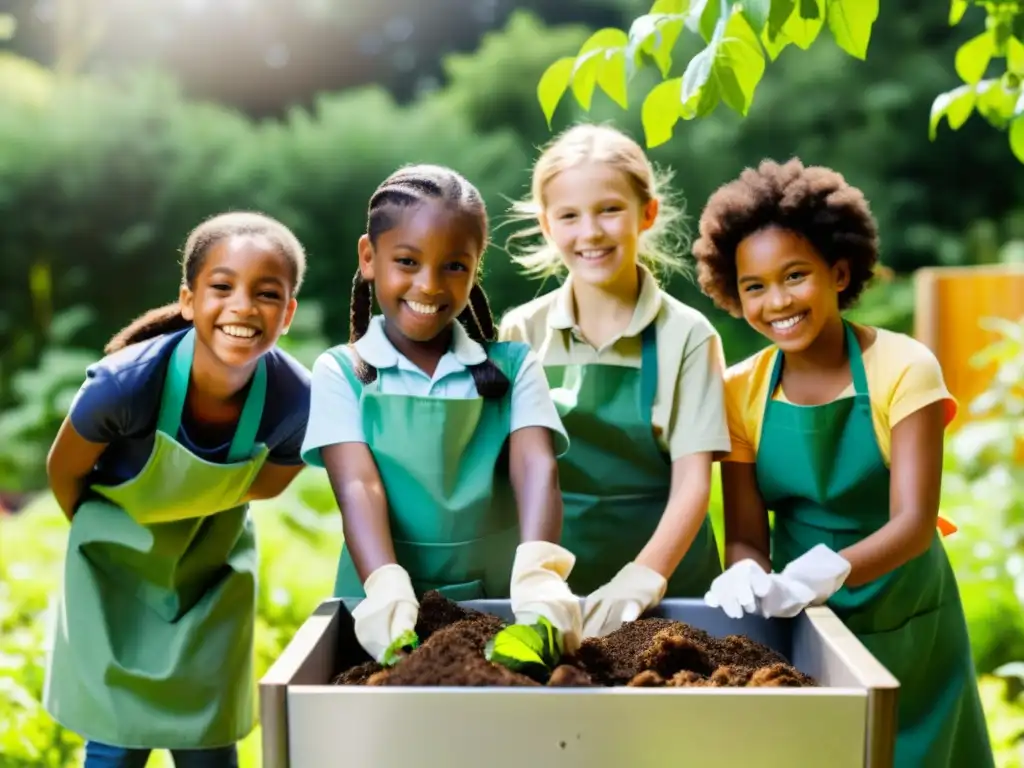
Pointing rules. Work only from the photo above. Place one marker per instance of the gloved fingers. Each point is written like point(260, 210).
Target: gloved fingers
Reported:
point(564, 615)
point(631, 611)
point(595, 616)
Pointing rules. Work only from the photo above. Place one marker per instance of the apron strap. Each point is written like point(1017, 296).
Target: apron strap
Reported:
point(172, 399)
point(860, 379)
point(648, 369)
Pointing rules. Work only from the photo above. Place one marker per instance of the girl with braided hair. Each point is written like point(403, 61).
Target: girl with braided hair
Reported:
point(440, 443)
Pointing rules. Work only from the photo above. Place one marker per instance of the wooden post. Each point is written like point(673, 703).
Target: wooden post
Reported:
point(950, 304)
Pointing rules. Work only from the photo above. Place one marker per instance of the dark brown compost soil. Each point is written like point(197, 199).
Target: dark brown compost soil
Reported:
point(648, 652)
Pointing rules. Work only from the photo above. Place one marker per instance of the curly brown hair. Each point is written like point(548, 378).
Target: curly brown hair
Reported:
point(813, 201)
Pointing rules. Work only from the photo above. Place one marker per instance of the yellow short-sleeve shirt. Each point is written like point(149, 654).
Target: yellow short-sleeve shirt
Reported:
point(902, 373)
point(688, 415)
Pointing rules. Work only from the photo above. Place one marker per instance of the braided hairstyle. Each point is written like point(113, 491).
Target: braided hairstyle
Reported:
point(405, 188)
point(168, 318)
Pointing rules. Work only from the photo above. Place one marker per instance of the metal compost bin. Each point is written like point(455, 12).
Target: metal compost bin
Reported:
point(849, 720)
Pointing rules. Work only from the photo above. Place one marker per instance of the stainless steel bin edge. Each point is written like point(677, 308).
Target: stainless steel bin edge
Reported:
point(307, 660)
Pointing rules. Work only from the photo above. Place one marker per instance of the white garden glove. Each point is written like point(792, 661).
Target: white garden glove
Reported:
point(810, 579)
point(389, 609)
point(633, 590)
point(538, 588)
point(736, 591)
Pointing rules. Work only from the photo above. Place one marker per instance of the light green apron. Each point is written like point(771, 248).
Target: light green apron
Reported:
point(821, 470)
point(452, 511)
point(615, 478)
point(153, 644)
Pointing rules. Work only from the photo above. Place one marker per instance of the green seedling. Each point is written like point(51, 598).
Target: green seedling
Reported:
point(404, 644)
point(530, 649)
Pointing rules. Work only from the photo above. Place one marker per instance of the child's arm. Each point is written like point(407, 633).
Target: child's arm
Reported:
point(272, 480)
point(334, 440)
point(360, 495)
point(68, 464)
point(534, 474)
point(746, 519)
point(98, 414)
point(697, 431)
point(916, 480)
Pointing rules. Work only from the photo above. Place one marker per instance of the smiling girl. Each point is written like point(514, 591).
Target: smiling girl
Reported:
point(193, 413)
point(837, 428)
point(440, 443)
point(637, 377)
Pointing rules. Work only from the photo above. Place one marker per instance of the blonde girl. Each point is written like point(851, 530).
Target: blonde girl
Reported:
point(637, 377)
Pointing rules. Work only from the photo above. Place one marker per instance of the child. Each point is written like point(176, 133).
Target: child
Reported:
point(411, 421)
point(838, 428)
point(636, 376)
point(192, 413)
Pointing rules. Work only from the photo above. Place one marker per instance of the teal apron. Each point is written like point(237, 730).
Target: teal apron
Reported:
point(615, 478)
point(153, 642)
point(451, 508)
point(821, 470)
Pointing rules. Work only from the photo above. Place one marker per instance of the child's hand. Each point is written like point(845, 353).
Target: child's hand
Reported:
point(539, 589)
point(389, 610)
point(632, 591)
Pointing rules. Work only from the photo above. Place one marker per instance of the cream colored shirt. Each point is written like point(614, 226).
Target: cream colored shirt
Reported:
point(689, 406)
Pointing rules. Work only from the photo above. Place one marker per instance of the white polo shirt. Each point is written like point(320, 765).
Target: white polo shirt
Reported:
point(334, 413)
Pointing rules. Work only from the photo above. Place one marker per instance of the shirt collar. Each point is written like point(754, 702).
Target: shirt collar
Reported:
point(648, 304)
point(376, 349)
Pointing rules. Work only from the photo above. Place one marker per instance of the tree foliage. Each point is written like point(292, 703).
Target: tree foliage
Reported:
point(738, 39)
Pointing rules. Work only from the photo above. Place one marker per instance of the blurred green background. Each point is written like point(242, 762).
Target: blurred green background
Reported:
point(124, 124)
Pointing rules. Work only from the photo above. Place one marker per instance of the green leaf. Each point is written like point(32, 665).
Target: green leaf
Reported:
point(973, 57)
point(739, 65)
point(532, 649)
point(810, 9)
point(996, 102)
point(850, 22)
point(756, 13)
point(955, 105)
point(774, 46)
point(1015, 56)
point(670, 6)
point(612, 77)
point(957, 9)
point(552, 85)
point(404, 643)
point(660, 111)
point(804, 31)
point(698, 72)
point(591, 61)
point(780, 14)
point(705, 15)
point(1017, 139)
point(654, 34)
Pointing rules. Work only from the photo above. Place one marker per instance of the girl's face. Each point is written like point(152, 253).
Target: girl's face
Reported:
point(788, 292)
point(423, 268)
point(594, 217)
point(241, 301)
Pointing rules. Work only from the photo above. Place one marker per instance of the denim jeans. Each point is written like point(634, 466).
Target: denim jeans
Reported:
point(99, 755)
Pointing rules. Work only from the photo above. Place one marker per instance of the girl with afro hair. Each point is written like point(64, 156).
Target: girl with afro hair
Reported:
point(838, 429)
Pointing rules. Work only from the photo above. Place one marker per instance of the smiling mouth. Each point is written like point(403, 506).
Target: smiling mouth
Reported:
point(424, 309)
point(242, 332)
point(788, 324)
point(593, 254)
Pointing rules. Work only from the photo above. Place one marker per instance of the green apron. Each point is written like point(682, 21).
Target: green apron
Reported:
point(820, 469)
point(615, 478)
point(153, 643)
point(451, 508)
